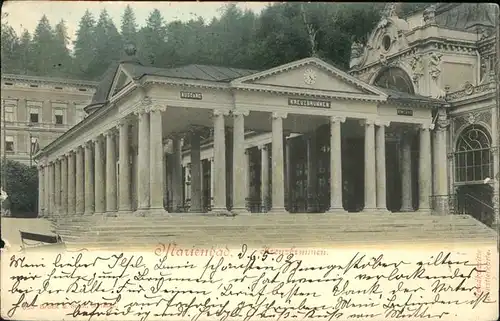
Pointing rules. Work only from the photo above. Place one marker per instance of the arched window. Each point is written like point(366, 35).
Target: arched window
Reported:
point(473, 157)
point(396, 79)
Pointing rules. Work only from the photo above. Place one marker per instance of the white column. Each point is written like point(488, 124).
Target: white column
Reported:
point(441, 164)
point(41, 190)
point(370, 169)
point(406, 181)
point(71, 183)
point(46, 184)
point(156, 158)
point(212, 182)
point(89, 179)
point(178, 201)
point(220, 205)
point(124, 180)
point(80, 182)
point(64, 185)
point(57, 186)
point(143, 197)
point(278, 169)
point(110, 173)
point(100, 176)
point(196, 173)
point(289, 181)
point(425, 168)
point(311, 173)
point(247, 178)
point(336, 164)
point(381, 169)
point(239, 163)
point(51, 190)
point(264, 178)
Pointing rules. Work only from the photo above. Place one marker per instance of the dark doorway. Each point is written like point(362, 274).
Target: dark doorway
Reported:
point(476, 200)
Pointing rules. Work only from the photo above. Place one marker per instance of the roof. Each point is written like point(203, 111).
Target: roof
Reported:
point(193, 72)
point(394, 95)
point(463, 15)
point(101, 95)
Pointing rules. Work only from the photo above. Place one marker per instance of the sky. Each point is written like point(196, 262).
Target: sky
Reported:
point(26, 14)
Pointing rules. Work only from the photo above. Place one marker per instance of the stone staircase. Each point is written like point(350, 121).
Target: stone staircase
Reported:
point(266, 229)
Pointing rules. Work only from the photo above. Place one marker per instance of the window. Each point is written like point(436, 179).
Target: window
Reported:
point(473, 157)
point(34, 112)
point(9, 144)
point(59, 116)
point(396, 79)
point(10, 109)
point(386, 42)
point(34, 146)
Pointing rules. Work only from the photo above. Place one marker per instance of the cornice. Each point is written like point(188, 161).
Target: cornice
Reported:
point(470, 91)
point(49, 80)
point(155, 80)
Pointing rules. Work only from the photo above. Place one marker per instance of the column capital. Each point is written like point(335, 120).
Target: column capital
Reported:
point(109, 132)
point(426, 126)
point(494, 150)
point(381, 123)
point(279, 114)
point(123, 122)
point(88, 144)
point(221, 112)
point(69, 153)
point(156, 107)
point(238, 112)
point(97, 139)
point(335, 119)
point(367, 122)
point(263, 147)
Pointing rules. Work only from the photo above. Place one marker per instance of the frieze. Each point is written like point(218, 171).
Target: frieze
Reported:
point(471, 118)
point(468, 90)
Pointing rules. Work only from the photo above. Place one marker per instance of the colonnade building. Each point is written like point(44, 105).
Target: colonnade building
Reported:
point(412, 127)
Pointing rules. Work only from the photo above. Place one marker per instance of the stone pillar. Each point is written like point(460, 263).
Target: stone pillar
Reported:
point(311, 173)
point(212, 182)
point(425, 169)
point(46, 184)
point(441, 164)
point(278, 172)
point(80, 182)
point(64, 185)
point(240, 163)
point(264, 178)
point(220, 162)
point(370, 168)
point(176, 169)
point(89, 179)
point(71, 183)
point(289, 180)
point(111, 173)
point(196, 173)
point(156, 158)
point(52, 207)
point(57, 186)
point(41, 191)
point(143, 197)
point(495, 128)
point(381, 170)
point(100, 176)
point(406, 182)
point(336, 164)
point(248, 180)
point(125, 204)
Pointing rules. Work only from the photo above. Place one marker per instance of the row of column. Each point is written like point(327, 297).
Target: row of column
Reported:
point(84, 180)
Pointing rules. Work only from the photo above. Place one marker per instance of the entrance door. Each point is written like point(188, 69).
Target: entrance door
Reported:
point(476, 200)
point(299, 200)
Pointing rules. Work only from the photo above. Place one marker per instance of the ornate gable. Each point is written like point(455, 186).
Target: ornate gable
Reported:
point(122, 79)
point(311, 74)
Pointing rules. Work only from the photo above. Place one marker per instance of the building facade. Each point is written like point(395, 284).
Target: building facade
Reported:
point(37, 110)
point(413, 127)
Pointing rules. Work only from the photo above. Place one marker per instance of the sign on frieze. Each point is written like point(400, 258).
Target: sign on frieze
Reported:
point(191, 95)
point(405, 112)
point(309, 103)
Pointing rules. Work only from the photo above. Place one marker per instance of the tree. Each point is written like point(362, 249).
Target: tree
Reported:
point(129, 27)
point(9, 45)
point(108, 45)
point(21, 184)
point(43, 46)
point(61, 51)
point(152, 38)
point(25, 52)
point(84, 45)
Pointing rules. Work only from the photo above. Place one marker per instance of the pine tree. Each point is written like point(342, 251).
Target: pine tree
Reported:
point(129, 27)
point(108, 45)
point(84, 45)
point(151, 40)
point(43, 51)
point(25, 65)
point(61, 51)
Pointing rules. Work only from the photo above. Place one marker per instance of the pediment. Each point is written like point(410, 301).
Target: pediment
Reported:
point(122, 79)
point(309, 74)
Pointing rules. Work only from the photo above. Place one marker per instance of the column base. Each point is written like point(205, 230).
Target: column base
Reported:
point(111, 213)
point(195, 210)
point(336, 210)
point(240, 211)
point(277, 210)
point(88, 213)
point(369, 210)
point(407, 209)
point(424, 210)
point(220, 211)
point(383, 210)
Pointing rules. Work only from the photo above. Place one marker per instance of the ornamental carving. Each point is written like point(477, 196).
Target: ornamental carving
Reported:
point(417, 67)
point(435, 65)
point(429, 15)
point(442, 120)
point(471, 118)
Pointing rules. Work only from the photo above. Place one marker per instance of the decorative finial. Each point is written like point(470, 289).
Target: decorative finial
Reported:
point(130, 49)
